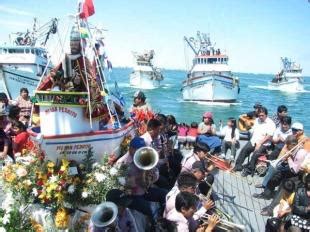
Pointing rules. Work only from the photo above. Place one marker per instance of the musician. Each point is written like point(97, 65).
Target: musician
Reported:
point(288, 170)
point(185, 207)
point(263, 130)
point(200, 153)
point(300, 220)
point(134, 145)
point(140, 103)
point(246, 121)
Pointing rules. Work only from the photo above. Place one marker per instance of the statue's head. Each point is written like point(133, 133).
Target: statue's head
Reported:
point(75, 41)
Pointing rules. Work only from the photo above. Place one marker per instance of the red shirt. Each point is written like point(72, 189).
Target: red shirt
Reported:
point(192, 132)
point(20, 141)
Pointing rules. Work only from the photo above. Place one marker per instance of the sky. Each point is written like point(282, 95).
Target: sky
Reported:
point(254, 33)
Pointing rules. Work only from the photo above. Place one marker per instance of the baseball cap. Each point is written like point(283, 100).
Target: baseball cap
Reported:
point(199, 165)
point(297, 126)
point(118, 197)
point(208, 115)
point(257, 105)
point(137, 142)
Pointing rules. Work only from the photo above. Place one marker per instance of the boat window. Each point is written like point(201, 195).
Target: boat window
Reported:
point(27, 50)
point(212, 60)
point(16, 50)
point(32, 51)
point(204, 60)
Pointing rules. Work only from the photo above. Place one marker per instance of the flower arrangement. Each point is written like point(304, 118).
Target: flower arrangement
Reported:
point(62, 187)
point(141, 117)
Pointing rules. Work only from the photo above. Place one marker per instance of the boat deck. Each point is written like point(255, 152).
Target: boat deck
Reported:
point(233, 195)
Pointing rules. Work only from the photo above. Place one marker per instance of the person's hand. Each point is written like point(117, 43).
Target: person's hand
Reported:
point(209, 204)
point(213, 220)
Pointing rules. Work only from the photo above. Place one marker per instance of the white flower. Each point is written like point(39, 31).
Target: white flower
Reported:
point(21, 172)
point(6, 219)
point(71, 189)
point(8, 202)
point(95, 165)
point(53, 178)
point(113, 171)
point(100, 177)
point(84, 194)
point(121, 180)
point(2, 229)
point(34, 192)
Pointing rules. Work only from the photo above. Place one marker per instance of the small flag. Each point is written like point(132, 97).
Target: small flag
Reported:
point(86, 8)
point(84, 33)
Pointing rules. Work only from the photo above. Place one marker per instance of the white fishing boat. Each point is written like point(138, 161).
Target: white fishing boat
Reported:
point(210, 78)
point(23, 62)
point(76, 108)
point(289, 79)
point(145, 75)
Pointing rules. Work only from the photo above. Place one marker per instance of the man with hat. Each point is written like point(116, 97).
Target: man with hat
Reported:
point(139, 102)
point(134, 145)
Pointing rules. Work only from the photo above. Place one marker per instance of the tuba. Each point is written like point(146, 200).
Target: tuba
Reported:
point(104, 215)
point(146, 158)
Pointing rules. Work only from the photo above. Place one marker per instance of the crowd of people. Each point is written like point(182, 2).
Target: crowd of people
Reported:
point(14, 121)
point(177, 193)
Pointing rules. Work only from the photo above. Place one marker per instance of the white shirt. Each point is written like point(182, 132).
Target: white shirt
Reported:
point(179, 219)
point(170, 199)
point(262, 129)
point(226, 132)
point(279, 133)
point(187, 163)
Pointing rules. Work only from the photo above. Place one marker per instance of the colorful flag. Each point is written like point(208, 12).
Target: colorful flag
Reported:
point(84, 33)
point(86, 8)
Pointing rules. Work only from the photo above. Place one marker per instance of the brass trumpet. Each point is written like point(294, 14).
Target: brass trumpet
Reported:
point(104, 215)
point(225, 225)
point(146, 158)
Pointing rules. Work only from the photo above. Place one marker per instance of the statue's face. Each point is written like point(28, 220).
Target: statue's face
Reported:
point(75, 47)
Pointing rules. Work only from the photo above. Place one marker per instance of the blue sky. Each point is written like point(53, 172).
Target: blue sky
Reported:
point(254, 33)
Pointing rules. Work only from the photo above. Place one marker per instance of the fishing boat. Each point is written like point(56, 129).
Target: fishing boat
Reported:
point(144, 74)
point(77, 110)
point(23, 62)
point(210, 78)
point(289, 79)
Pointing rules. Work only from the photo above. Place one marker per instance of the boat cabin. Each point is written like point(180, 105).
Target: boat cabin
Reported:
point(211, 59)
point(23, 50)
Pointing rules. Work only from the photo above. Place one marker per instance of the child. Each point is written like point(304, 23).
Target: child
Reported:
point(182, 131)
point(191, 135)
point(231, 138)
point(21, 137)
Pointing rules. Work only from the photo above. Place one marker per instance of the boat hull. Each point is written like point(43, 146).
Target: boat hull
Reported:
point(291, 85)
point(76, 146)
point(12, 80)
point(144, 80)
point(211, 88)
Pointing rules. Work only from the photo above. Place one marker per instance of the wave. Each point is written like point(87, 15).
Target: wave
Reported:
point(211, 103)
point(274, 89)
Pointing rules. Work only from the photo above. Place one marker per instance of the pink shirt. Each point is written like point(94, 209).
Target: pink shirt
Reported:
point(187, 163)
point(295, 162)
point(192, 132)
point(182, 130)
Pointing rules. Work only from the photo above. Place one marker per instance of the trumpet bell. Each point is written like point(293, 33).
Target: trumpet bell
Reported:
point(146, 158)
point(104, 214)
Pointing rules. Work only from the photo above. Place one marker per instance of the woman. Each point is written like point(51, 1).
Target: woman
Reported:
point(25, 105)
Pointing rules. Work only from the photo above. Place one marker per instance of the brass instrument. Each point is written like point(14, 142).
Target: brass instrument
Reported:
point(104, 215)
point(146, 158)
point(225, 225)
point(292, 152)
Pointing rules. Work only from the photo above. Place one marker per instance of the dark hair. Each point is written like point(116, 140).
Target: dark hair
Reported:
point(4, 98)
point(289, 186)
point(211, 121)
point(262, 110)
point(194, 125)
point(164, 225)
point(198, 146)
point(286, 120)
point(171, 120)
point(185, 200)
point(282, 108)
point(162, 118)
point(291, 140)
point(234, 126)
point(14, 112)
point(307, 182)
point(153, 124)
point(186, 179)
point(24, 90)
point(19, 125)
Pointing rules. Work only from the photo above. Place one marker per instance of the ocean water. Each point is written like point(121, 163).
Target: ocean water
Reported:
point(253, 88)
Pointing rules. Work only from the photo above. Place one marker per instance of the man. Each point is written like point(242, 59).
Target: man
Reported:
point(139, 102)
point(200, 153)
point(134, 145)
point(246, 121)
point(281, 112)
point(263, 130)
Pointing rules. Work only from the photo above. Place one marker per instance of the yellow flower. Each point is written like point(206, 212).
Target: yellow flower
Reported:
point(9, 177)
point(36, 226)
point(51, 187)
point(50, 164)
point(62, 219)
point(65, 165)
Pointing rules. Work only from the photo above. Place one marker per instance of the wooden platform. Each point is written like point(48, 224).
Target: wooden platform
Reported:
point(233, 195)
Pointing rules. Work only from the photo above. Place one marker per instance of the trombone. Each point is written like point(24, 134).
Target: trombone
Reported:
point(224, 225)
point(276, 163)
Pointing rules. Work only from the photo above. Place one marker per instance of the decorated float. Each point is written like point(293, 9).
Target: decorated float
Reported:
point(79, 123)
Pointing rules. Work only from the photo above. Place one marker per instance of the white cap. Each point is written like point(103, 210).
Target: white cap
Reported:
point(297, 126)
